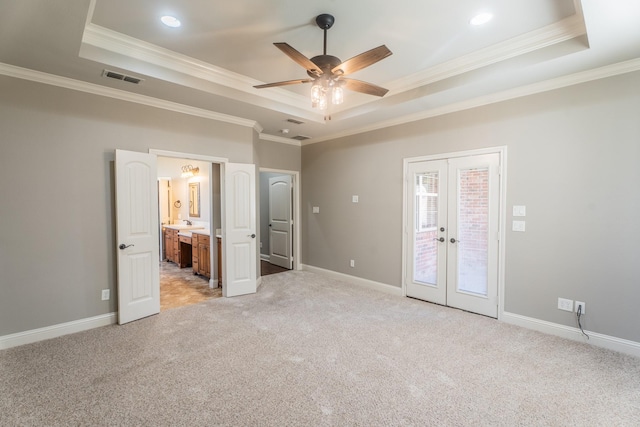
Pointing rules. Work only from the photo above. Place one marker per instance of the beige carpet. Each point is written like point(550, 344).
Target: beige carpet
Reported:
point(310, 351)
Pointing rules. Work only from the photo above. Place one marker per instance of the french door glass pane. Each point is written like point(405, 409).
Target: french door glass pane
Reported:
point(473, 226)
point(425, 263)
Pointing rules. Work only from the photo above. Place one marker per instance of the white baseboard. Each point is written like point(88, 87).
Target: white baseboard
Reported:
point(54, 331)
point(265, 257)
point(393, 290)
point(606, 341)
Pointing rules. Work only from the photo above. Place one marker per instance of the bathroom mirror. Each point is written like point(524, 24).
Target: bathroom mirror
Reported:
point(194, 199)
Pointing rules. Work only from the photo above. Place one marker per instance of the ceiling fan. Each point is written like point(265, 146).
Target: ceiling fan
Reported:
point(327, 73)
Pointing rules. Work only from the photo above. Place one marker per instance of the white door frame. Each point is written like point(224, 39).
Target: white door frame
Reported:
point(502, 151)
point(209, 159)
point(297, 254)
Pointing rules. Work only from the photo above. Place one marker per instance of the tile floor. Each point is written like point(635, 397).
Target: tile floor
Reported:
point(180, 287)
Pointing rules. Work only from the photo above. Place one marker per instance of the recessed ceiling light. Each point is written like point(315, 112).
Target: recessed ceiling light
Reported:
point(481, 18)
point(170, 21)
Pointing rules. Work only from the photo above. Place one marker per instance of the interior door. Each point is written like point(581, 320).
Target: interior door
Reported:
point(280, 235)
point(453, 248)
point(239, 256)
point(137, 235)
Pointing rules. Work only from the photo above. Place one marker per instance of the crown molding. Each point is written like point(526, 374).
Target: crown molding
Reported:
point(67, 83)
point(545, 86)
point(567, 29)
point(531, 89)
point(274, 138)
point(122, 44)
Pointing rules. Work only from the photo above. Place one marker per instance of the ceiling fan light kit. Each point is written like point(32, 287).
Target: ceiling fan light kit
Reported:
point(327, 73)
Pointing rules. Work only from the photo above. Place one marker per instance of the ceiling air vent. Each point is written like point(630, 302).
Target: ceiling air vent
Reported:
point(123, 77)
point(300, 137)
point(297, 122)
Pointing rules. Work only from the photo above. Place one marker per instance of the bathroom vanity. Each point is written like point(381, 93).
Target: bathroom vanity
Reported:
point(190, 246)
point(201, 252)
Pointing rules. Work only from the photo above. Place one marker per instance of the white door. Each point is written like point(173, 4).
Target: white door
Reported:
point(453, 246)
point(239, 230)
point(280, 235)
point(137, 235)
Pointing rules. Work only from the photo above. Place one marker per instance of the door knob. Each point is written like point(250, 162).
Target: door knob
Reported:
point(441, 239)
point(123, 246)
point(253, 236)
point(453, 240)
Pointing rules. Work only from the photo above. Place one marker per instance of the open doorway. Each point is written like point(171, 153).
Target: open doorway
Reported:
point(138, 237)
point(279, 231)
point(190, 219)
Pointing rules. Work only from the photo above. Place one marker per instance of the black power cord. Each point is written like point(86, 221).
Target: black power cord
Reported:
point(579, 315)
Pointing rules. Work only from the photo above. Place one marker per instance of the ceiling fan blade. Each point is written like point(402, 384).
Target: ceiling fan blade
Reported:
point(299, 58)
point(364, 87)
point(361, 61)
point(285, 83)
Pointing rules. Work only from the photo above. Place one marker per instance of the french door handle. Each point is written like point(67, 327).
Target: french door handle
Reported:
point(123, 246)
point(439, 240)
point(454, 240)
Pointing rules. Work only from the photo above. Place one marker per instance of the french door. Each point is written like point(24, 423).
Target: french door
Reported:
point(452, 210)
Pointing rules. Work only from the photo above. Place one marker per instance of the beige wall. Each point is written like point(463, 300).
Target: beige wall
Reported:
point(573, 160)
point(56, 180)
point(573, 157)
point(275, 155)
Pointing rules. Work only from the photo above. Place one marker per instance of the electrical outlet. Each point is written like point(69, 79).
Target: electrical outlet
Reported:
point(565, 304)
point(583, 305)
point(106, 294)
point(352, 263)
point(260, 245)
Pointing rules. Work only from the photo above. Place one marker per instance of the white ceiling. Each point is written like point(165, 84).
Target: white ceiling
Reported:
point(208, 67)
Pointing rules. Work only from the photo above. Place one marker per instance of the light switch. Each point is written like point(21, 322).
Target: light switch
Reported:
point(354, 199)
point(316, 209)
point(518, 226)
point(519, 211)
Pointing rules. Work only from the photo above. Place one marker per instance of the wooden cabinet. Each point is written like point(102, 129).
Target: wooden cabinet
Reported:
point(175, 243)
point(201, 255)
point(177, 248)
point(195, 259)
point(171, 245)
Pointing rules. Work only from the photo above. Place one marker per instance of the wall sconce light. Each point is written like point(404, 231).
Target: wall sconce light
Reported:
point(189, 171)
